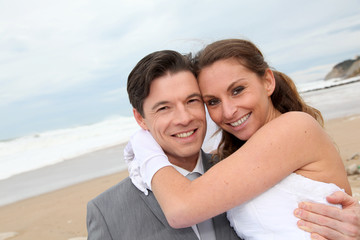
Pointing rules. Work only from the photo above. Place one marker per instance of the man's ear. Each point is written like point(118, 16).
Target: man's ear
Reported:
point(269, 82)
point(139, 119)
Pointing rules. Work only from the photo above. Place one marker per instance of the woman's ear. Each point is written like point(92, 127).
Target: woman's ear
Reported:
point(139, 119)
point(269, 81)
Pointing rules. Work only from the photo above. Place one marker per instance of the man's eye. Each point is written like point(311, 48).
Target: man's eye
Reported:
point(237, 90)
point(162, 109)
point(194, 100)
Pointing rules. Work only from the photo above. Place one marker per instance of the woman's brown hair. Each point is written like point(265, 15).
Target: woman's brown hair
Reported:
point(285, 97)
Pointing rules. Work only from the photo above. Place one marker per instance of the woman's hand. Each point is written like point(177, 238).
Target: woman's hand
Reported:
point(134, 169)
point(144, 158)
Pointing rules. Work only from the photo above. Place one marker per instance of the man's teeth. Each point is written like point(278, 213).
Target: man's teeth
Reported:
point(184, 135)
point(239, 122)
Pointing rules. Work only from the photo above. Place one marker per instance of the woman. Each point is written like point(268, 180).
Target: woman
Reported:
point(274, 150)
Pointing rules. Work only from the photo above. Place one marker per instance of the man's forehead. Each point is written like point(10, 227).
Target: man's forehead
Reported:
point(173, 87)
point(172, 82)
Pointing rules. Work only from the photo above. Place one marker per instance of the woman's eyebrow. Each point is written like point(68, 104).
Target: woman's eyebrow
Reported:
point(234, 83)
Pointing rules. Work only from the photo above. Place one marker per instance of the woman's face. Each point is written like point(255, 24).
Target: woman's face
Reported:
point(237, 99)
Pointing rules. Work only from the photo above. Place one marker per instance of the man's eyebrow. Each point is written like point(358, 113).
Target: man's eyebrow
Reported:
point(156, 105)
point(194, 95)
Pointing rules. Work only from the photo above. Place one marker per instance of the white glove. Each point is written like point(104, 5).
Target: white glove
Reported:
point(149, 157)
point(134, 169)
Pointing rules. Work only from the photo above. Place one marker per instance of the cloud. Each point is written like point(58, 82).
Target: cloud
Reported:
point(59, 46)
point(311, 74)
point(53, 47)
point(115, 95)
point(336, 37)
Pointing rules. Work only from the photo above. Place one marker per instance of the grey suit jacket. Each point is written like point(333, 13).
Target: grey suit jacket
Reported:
point(124, 212)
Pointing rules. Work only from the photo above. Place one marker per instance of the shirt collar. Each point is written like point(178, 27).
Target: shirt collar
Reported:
point(198, 167)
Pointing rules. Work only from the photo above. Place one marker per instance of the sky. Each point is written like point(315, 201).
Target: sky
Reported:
point(65, 63)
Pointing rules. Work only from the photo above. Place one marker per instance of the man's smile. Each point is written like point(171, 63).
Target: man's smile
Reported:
point(185, 134)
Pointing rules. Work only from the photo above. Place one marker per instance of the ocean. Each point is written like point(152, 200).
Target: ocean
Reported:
point(35, 151)
point(334, 98)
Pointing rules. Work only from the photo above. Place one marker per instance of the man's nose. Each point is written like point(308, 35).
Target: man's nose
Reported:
point(182, 116)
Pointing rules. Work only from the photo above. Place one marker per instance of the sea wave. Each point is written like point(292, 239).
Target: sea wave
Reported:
point(39, 150)
point(323, 84)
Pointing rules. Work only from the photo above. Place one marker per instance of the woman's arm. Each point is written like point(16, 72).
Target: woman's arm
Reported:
point(282, 146)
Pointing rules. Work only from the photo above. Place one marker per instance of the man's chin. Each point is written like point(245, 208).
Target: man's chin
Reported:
point(190, 153)
point(185, 153)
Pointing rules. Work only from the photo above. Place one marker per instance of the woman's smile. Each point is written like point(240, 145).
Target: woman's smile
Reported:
point(240, 121)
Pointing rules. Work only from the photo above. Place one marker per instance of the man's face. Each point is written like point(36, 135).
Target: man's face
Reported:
point(175, 115)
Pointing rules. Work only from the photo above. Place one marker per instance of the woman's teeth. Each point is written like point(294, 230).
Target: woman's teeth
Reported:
point(239, 122)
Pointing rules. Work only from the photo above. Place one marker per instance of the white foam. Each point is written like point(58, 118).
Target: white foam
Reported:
point(32, 152)
point(322, 84)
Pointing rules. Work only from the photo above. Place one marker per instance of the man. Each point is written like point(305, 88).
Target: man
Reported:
point(164, 91)
point(167, 102)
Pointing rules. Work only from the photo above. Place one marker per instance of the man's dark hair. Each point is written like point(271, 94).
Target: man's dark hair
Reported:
point(152, 66)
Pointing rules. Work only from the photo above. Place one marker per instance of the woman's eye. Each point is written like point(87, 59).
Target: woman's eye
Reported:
point(237, 90)
point(213, 102)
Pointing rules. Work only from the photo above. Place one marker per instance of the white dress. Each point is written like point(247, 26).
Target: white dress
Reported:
point(270, 215)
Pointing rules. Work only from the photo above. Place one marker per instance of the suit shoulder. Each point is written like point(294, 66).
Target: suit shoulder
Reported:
point(123, 191)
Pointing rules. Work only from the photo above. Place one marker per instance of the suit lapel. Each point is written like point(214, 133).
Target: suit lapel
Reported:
point(206, 158)
point(151, 202)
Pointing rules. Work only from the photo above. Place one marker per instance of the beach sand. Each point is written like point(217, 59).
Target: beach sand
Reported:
point(61, 214)
point(346, 135)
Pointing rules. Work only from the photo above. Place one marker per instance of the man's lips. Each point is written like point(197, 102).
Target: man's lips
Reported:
point(185, 134)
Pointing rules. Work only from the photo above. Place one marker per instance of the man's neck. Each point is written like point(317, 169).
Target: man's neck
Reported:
point(187, 163)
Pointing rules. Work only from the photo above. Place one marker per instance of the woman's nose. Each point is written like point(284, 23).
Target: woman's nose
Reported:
point(229, 109)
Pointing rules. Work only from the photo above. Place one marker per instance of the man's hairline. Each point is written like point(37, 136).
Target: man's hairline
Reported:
point(167, 72)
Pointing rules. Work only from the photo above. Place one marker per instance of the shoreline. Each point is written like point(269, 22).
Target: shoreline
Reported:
point(341, 82)
point(61, 214)
point(336, 102)
point(69, 172)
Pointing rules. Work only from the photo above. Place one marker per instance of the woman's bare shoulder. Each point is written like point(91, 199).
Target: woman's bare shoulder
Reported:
point(293, 125)
point(297, 119)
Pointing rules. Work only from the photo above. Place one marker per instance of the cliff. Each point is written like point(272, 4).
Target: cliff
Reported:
point(346, 69)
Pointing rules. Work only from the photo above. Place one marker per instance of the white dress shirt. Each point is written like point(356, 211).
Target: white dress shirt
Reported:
point(199, 168)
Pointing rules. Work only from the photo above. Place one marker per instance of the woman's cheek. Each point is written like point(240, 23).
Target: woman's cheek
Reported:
point(215, 115)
